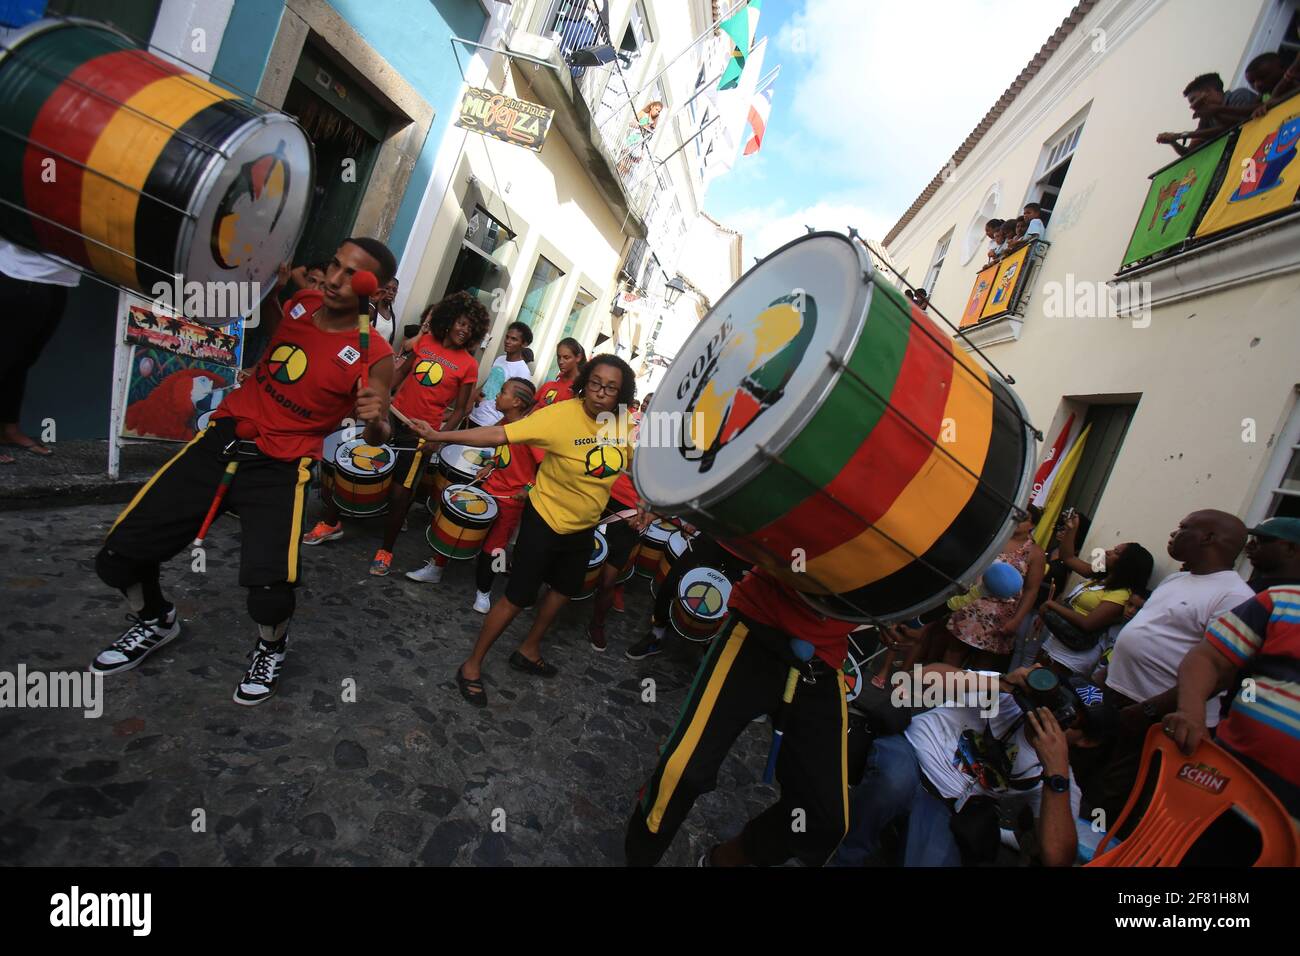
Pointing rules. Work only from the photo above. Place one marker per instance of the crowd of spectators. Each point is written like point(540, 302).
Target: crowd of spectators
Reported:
point(1217, 110)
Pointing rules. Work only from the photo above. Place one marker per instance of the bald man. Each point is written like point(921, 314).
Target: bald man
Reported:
point(1143, 673)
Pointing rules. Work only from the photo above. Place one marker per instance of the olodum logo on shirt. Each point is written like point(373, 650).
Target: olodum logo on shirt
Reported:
point(428, 373)
point(604, 461)
point(287, 364)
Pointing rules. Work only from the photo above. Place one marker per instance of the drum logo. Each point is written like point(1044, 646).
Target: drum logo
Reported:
point(469, 503)
point(501, 458)
point(428, 373)
point(703, 599)
point(250, 209)
point(370, 458)
point(604, 461)
point(287, 364)
point(748, 375)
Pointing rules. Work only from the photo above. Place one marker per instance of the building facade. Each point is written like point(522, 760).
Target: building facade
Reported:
point(1184, 361)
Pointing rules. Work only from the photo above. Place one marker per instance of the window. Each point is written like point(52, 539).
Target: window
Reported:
point(1277, 33)
point(486, 232)
point(975, 240)
point(940, 252)
point(1053, 166)
point(545, 279)
point(1279, 492)
point(581, 303)
point(637, 36)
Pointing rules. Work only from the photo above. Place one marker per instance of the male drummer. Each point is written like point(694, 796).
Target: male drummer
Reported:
point(744, 677)
point(272, 427)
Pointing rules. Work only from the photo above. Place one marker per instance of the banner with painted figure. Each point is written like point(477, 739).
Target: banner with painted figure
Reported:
point(1173, 200)
point(1263, 174)
point(222, 345)
point(170, 396)
point(979, 294)
point(1006, 283)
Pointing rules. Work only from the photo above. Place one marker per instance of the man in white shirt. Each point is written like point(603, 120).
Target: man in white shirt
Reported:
point(1142, 677)
point(507, 366)
point(33, 293)
point(929, 772)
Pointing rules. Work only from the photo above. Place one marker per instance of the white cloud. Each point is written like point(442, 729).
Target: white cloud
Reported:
point(889, 89)
point(766, 228)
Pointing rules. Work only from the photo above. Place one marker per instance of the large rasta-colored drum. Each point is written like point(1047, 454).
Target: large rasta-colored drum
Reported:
point(459, 528)
point(359, 476)
point(839, 438)
point(136, 169)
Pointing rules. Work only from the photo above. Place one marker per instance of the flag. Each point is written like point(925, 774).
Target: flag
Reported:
point(732, 106)
point(759, 111)
point(1038, 493)
point(740, 26)
point(1061, 479)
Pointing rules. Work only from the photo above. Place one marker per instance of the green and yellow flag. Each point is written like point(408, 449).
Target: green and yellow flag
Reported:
point(1056, 496)
point(740, 26)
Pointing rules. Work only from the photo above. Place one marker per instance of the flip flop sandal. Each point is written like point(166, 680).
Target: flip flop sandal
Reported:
point(471, 690)
point(536, 668)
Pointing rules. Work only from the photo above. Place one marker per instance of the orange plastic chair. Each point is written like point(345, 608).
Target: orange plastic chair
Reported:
point(1190, 794)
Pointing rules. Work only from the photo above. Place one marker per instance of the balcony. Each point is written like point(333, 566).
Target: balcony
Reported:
point(593, 103)
point(996, 305)
point(1223, 215)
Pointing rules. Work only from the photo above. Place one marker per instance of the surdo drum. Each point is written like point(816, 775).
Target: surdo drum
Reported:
point(158, 170)
point(654, 540)
point(839, 438)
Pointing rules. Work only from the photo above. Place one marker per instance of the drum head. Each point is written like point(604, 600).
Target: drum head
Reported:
point(853, 677)
point(753, 372)
point(470, 503)
point(599, 552)
point(463, 459)
point(363, 460)
point(660, 531)
point(250, 209)
point(677, 544)
point(703, 593)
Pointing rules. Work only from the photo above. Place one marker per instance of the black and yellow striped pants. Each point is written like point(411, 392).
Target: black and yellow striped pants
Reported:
point(743, 677)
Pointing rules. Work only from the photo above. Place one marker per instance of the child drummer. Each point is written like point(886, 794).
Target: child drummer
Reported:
point(744, 677)
point(507, 477)
point(435, 382)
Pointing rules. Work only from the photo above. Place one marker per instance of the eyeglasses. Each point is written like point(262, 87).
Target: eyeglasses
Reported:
point(605, 388)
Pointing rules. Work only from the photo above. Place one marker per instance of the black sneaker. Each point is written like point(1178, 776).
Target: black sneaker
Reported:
point(263, 673)
point(648, 646)
point(141, 639)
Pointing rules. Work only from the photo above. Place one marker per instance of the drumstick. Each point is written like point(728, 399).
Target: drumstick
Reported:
point(364, 284)
point(227, 477)
point(803, 651)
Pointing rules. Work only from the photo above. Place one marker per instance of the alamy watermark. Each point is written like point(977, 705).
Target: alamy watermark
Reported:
point(79, 690)
point(1085, 299)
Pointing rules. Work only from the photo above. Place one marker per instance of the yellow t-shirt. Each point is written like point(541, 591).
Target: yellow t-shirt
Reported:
point(583, 458)
point(1088, 600)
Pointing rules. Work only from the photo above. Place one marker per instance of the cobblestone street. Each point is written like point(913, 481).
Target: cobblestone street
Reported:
point(408, 774)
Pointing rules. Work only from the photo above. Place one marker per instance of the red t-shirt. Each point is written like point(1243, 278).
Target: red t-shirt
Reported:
point(436, 376)
point(516, 466)
point(557, 390)
point(765, 599)
point(305, 384)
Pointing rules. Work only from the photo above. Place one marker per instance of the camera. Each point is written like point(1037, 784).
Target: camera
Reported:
point(1043, 688)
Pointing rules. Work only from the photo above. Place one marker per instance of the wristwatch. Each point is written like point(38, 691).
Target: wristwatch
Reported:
point(1056, 783)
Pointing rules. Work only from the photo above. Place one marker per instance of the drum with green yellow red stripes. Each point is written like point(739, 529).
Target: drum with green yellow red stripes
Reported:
point(138, 170)
point(461, 525)
point(835, 435)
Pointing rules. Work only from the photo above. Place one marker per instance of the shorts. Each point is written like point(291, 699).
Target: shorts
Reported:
point(268, 494)
point(509, 513)
point(619, 535)
point(544, 556)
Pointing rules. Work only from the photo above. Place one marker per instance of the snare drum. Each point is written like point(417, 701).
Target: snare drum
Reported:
point(163, 176)
point(458, 529)
point(594, 566)
point(700, 607)
point(839, 423)
point(677, 546)
point(363, 474)
point(653, 544)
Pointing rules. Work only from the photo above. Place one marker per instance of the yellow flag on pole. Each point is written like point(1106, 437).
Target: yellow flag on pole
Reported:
point(1060, 485)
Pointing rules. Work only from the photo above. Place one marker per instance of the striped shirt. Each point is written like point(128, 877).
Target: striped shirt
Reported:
point(1262, 637)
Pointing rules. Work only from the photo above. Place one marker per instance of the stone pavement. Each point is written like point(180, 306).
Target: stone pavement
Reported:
point(407, 775)
point(77, 473)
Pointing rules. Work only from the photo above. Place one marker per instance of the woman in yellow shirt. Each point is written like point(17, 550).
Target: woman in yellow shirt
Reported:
point(587, 445)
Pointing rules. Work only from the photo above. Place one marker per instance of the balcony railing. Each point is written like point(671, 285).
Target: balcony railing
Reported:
point(1244, 178)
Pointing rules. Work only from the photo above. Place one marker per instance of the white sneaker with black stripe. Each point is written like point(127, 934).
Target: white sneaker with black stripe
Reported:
point(265, 661)
point(137, 642)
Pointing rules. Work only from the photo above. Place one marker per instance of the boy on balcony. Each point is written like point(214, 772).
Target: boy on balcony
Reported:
point(1216, 111)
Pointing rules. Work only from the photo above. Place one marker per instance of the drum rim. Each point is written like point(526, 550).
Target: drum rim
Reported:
point(462, 486)
point(206, 182)
point(370, 474)
point(45, 24)
point(967, 578)
point(755, 463)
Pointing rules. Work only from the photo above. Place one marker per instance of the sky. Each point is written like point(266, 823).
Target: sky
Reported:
point(873, 98)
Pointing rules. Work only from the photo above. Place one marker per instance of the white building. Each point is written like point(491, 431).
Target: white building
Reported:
point(1192, 402)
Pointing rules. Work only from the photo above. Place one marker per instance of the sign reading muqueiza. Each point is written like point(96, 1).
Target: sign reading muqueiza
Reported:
point(505, 118)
